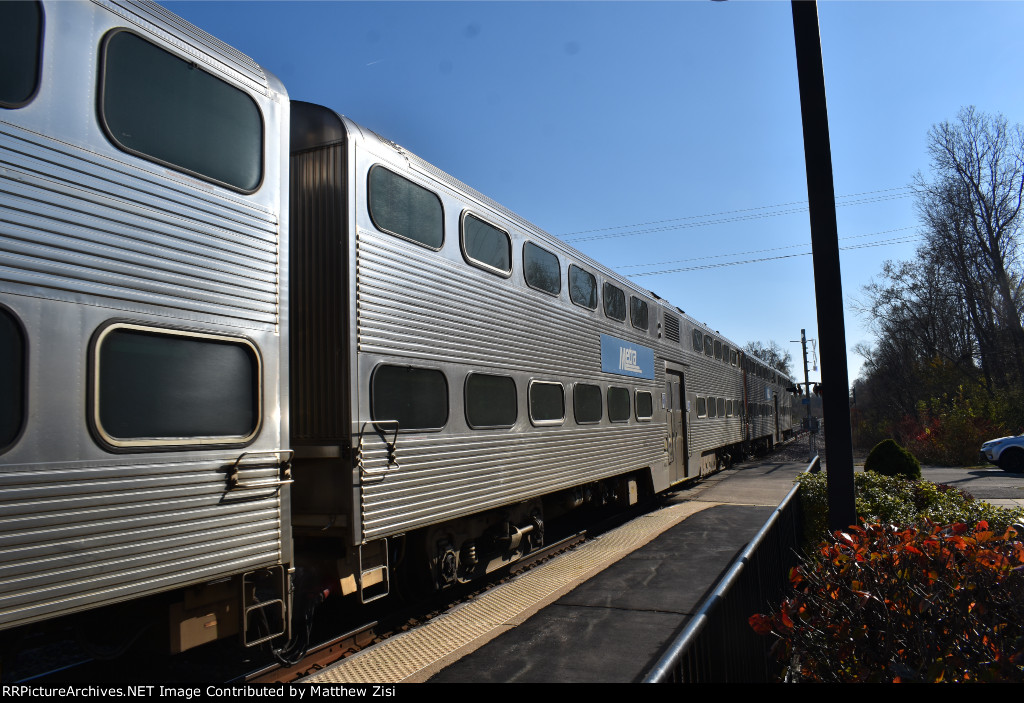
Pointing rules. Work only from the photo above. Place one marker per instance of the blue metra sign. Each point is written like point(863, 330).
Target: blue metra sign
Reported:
point(625, 358)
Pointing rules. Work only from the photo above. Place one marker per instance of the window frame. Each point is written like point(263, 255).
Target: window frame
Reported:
point(465, 401)
point(369, 208)
point(629, 404)
point(19, 328)
point(554, 294)
point(597, 299)
point(636, 406)
point(40, 39)
point(702, 400)
point(575, 413)
point(465, 253)
point(605, 297)
point(529, 404)
point(101, 97)
point(385, 423)
point(637, 300)
point(698, 341)
point(153, 444)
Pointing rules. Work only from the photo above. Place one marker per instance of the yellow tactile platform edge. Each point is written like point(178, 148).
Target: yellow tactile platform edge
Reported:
point(418, 654)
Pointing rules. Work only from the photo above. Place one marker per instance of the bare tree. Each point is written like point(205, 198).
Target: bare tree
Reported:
point(771, 354)
point(971, 209)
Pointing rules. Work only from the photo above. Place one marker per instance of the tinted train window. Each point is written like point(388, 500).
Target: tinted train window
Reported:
point(400, 207)
point(586, 403)
point(486, 246)
point(547, 403)
point(718, 349)
point(582, 287)
point(416, 398)
point(698, 341)
point(614, 302)
point(702, 407)
point(541, 269)
point(618, 404)
point(638, 312)
point(644, 405)
point(709, 346)
point(12, 379)
point(21, 32)
point(725, 353)
point(167, 109)
point(490, 401)
point(728, 407)
point(712, 408)
point(732, 356)
point(159, 387)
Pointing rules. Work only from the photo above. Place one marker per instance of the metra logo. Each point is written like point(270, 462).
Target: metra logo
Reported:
point(627, 360)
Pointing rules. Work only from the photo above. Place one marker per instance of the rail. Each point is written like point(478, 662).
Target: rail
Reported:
point(718, 644)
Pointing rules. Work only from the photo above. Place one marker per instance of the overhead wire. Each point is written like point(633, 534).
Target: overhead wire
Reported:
point(729, 216)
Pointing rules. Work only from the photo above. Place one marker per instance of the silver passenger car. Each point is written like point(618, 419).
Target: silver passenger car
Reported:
point(251, 350)
point(143, 317)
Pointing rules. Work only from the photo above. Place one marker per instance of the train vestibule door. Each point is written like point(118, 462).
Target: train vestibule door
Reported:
point(676, 419)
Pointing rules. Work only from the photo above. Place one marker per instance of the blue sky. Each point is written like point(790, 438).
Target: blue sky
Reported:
point(591, 119)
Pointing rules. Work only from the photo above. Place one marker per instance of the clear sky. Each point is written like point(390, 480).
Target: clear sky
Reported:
point(662, 139)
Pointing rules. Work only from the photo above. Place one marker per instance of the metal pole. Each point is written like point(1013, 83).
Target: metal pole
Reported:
point(828, 290)
point(807, 396)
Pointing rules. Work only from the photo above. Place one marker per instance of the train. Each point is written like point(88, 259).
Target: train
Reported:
point(254, 355)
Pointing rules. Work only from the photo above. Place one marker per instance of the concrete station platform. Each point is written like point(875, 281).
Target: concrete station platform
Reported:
point(603, 612)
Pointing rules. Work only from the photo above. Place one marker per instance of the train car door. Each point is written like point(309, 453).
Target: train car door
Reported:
point(675, 413)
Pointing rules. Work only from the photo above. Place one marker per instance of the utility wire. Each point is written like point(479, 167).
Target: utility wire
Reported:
point(757, 251)
point(723, 264)
point(728, 216)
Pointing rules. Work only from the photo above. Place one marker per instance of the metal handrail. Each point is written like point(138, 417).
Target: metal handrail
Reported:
point(663, 668)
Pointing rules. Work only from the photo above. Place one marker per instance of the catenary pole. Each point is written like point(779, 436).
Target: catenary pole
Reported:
point(828, 289)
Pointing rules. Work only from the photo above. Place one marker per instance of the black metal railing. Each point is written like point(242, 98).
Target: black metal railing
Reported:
point(718, 645)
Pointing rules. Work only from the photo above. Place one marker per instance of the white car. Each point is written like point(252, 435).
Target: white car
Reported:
point(1006, 452)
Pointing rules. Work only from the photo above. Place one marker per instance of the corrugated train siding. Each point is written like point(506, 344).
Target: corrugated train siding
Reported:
point(75, 537)
point(80, 223)
point(404, 299)
point(319, 298)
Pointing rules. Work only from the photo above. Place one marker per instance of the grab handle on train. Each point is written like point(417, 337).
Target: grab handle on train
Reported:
point(255, 460)
point(391, 445)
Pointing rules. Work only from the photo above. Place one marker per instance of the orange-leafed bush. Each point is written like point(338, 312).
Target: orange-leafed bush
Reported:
point(885, 603)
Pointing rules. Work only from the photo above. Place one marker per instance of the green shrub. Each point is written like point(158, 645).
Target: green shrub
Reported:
point(890, 459)
point(896, 500)
point(882, 603)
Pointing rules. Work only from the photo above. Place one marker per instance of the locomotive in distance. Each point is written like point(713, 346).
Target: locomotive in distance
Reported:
point(255, 354)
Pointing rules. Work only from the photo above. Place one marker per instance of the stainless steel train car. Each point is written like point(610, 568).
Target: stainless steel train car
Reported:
point(252, 351)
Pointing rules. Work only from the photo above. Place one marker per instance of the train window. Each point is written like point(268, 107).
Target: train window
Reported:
point(167, 109)
point(486, 246)
point(547, 403)
point(491, 401)
point(541, 269)
point(698, 341)
point(721, 406)
point(702, 407)
point(417, 398)
point(718, 350)
point(638, 313)
point(732, 358)
point(728, 407)
point(582, 287)
point(614, 302)
point(725, 353)
point(407, 210)
point(12, 378)
point(709, 346)
point(21, 33)
point(618, 404)
point(586, 403)
point(159, 388)
point(644, 405)
point(712, 408)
